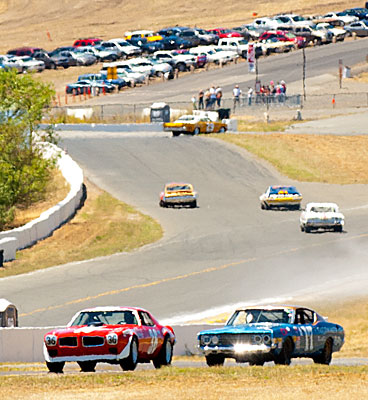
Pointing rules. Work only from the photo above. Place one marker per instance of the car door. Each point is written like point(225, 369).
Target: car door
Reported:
point(150, 337)
point(305, 318)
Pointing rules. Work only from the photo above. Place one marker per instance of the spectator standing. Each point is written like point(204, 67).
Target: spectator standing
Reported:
point(236, 96)
point(200, 100)
point(218, 96)
point(250, 96)
point(207, 99)
point(194, 102)
point(212, 97)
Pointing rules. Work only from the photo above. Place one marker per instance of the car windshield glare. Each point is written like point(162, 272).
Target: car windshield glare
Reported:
point(176, 188)
point(255, 316)
point(322, 209)
point(120, 317)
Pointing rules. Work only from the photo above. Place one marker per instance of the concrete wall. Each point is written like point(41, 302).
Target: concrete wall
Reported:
point(26, 344)
point(40, 228)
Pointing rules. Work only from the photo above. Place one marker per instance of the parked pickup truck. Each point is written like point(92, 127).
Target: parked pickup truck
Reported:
point(239, 45)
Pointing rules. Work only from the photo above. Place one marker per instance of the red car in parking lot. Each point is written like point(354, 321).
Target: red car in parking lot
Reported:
point(87, 42)
point(224, 33)
point(284, 36)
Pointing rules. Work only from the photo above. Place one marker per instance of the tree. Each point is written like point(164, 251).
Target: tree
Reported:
point(24, 172)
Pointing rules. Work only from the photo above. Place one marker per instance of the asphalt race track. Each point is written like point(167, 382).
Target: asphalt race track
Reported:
point(226, 251)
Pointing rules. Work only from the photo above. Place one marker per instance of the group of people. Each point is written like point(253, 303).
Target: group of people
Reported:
point(208, 99)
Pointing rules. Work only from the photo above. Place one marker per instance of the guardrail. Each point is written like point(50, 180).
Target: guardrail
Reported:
point(42, 227)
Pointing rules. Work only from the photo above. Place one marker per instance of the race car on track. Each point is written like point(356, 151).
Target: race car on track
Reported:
point(115, 335)
point(178, 194)
point(321, 215)
point(280, 197)
point(272, 333)
point(193, 125)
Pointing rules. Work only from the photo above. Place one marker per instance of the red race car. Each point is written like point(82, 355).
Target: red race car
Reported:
point(115, 335)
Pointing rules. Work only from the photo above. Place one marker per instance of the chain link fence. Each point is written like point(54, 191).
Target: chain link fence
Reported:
point(140, 112)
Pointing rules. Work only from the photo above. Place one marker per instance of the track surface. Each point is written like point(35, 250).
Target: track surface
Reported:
point(224, 252)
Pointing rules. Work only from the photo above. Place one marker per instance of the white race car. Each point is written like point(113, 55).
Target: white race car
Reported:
point(321, 215)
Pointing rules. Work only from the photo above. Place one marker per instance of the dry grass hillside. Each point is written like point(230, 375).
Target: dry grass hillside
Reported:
point(35, 22)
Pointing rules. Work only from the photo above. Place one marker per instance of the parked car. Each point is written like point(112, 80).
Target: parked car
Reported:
point(88, 86)
point(275, 333)
point(191, 36)
point(318, 36)
point(346, 19)
point(126, 48)
point(359, 12)
point(58, 50)
point(193, 125)
point(115, 335)
point(178, 194)
point(26, 63)
point(212, 56)
point(65, 59)
point(338, 33)
point(25, 51)
point(7, 61)
point(284, 36)
point(174, 42)
point(359, 28)
point(83, 58)
point(87, 42)
point(145, 45)
point(321, 216)
point(151, 36)
point(43, 56)
point(119, 83)
point(205, 37)
point(101, 53)
point(113, 47)
point(291, 20)
point(224, 33)
point(124, 71)
point(182, 62)
point(281, 197)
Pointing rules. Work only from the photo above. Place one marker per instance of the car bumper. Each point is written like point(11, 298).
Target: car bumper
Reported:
point(242, 351)
point(179, 199)
point(323, 224)
point(89, 357)
point(283, 202)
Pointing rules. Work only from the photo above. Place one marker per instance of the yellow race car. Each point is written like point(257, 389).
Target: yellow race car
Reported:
point(281, 197)
point(193, 125)
point(181, 194)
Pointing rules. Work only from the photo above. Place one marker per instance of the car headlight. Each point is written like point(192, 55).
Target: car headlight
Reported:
point(51, 340)
point(215, 340)
point(112, 338)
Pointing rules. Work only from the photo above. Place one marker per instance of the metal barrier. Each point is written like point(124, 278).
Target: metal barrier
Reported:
point(140, 112)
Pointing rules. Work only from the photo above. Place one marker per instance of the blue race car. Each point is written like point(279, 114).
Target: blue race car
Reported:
point(272, 333)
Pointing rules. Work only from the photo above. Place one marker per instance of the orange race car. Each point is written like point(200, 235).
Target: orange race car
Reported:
point(178, 194)
point(194, 124)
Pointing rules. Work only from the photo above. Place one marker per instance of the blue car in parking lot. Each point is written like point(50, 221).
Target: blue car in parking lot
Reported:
point(272, 333)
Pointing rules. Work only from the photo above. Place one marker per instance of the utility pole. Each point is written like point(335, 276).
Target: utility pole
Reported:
point(304, 65)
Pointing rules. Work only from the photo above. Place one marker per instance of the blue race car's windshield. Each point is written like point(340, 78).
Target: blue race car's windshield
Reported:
point(287, 189)
point(105, 317)
point(254, 316)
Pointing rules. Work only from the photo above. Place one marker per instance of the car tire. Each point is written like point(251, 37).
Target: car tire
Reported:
point(302, 228)
point(215, 360)
point(56, 367)
point(326, 355)
point(222, 130)
point(175, 134)
point(130, 363)
point(196, 131)
point(163, 204)
point(165, 355)
point(264, 206)
point(87, 366)
point(338, 228)
point(193, 204)
point(307, 229)
point(284, 358)
point(259, 362)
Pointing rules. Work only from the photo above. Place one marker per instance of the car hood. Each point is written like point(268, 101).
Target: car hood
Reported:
point(91, 330)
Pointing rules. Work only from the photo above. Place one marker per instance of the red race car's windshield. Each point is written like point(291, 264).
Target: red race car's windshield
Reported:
point(105, 317)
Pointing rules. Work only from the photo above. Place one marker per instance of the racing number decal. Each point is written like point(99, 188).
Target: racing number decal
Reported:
point(154, 341)
point(307, 332)
point(210, 127)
